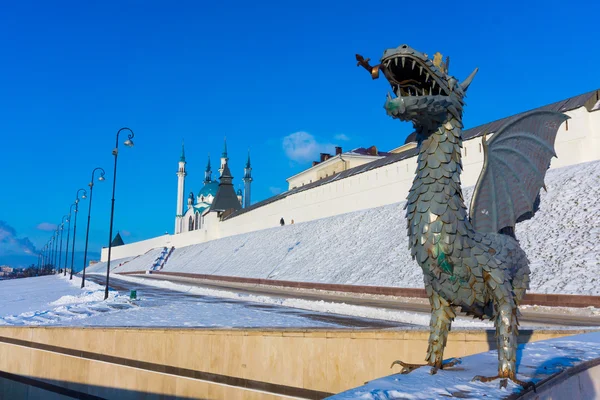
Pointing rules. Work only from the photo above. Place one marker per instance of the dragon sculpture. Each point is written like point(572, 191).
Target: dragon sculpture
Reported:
point(469, 261)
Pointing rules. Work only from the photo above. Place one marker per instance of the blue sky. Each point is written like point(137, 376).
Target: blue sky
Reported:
point(74, 72)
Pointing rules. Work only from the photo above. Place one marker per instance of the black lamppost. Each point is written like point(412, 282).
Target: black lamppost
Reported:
point(68, 235)
point(115, 152)
point(51, 250)
point(62, 228)
point(55, 249)
point(87, 232)
point(75, 228)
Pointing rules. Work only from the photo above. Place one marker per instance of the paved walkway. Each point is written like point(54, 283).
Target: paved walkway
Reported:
point(528, 318)
point(156, 293)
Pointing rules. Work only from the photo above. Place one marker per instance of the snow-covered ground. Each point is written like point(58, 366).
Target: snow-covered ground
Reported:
point(535, 362)
point(370, 247)
point(55, 300)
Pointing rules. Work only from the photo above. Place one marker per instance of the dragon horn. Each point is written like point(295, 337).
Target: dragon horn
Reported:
point(465, 84)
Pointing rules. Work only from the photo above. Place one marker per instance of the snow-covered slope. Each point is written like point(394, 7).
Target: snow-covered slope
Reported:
point(371, 248)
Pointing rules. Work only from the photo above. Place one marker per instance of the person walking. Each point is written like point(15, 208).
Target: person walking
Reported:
point(282, 222)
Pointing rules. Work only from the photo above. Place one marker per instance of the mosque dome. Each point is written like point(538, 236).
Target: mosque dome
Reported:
point(209, 189)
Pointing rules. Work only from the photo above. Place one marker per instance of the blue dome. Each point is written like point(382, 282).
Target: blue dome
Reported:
point(209, 189)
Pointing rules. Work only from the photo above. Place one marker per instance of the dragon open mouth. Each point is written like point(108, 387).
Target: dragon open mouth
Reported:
point(409, 76)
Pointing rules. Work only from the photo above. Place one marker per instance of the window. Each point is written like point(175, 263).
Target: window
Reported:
point(465, 151)
point(191, 224)
point(566, 125)
point(480, 147)
point(197, 215)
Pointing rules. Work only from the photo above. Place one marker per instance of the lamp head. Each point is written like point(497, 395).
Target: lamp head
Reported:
point(128, 143)
point(101, 178)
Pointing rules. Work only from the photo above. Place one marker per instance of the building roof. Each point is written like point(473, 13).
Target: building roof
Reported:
point(588, 100)
point(209, 189)
point(226, 197)
point(369, 152)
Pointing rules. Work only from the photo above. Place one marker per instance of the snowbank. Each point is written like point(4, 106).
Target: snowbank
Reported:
point(371, 248)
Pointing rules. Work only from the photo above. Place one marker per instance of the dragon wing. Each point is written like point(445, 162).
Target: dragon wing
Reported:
point(516, 159)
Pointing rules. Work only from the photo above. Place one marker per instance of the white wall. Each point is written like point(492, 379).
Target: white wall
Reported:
point(378, 187)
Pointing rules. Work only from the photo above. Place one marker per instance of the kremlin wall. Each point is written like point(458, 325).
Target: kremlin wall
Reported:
point(385, 180)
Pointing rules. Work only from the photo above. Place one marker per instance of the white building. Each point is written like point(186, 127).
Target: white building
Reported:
point(218, 197)
point(384, 180)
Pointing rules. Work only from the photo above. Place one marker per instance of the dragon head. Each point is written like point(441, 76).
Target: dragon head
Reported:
point(424, 92)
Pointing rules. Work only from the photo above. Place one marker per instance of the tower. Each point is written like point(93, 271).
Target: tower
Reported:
point(207, 172)
point(181, 174)
point(247, 181)
point(224, 158)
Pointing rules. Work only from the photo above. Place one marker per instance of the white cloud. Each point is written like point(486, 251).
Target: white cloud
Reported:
point(46, 226)
point(302, 147)
point(10, 243)
point(341, 136)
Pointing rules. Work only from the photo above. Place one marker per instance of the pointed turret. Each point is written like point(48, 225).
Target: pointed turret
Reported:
point(182, 158)
point(207, 172)
point(117, 241)
point(247, 181)
point(226, 197)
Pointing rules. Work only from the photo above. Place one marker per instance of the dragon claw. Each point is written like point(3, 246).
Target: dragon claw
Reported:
point(504, 381)
point(406, 368)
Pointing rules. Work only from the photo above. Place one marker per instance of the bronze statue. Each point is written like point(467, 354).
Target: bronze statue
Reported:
point(471, 261)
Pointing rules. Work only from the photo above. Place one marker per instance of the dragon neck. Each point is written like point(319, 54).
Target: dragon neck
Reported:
point(435, 198)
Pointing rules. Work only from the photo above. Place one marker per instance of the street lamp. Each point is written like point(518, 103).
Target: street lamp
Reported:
point(115, 152)
point(68, 236)
point(75, 228)
point(62, 228)
point(87, 232)
point(55, 249)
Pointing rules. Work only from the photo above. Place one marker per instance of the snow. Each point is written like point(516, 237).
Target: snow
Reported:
point(370, 247)
point(415, 318)
point(535, 362)
point(56, 300)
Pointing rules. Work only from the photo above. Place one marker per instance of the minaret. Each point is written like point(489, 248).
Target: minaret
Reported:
point(181, 174)
point(247, 181)
point(208, 172)
point(224, 158)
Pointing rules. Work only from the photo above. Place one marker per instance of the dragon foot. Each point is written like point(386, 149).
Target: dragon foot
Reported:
point(503, 381)
point(408, 368)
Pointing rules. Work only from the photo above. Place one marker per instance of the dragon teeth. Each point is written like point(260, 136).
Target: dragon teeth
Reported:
point(396, 61)
point(403, 60)
point(420, 70)
point(413, 64)
point(426, 76)
point(433, 85)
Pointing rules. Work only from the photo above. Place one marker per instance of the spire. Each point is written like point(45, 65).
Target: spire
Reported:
point(224, 158)
point(224, 155)
point(247, 182)
point(182, 158)
point(207, 172)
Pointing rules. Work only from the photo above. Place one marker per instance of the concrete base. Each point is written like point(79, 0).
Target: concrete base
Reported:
point(214, 363)
point(562, 368)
